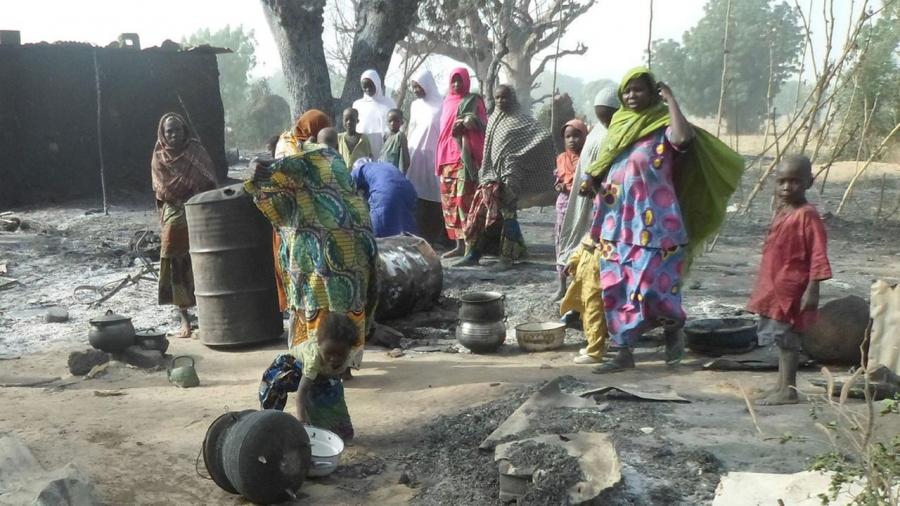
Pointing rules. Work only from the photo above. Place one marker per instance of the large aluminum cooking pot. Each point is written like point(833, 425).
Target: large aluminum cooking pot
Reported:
point(481, 337)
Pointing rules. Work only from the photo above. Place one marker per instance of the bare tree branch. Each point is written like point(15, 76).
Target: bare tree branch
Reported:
point(580, 49)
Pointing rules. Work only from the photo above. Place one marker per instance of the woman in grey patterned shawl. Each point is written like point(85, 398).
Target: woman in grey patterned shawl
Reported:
point(519, 160)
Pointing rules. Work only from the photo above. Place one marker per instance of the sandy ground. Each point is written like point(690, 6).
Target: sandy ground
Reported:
point(141, 447)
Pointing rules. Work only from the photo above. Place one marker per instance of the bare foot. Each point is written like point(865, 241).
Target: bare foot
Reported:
point(185, 333)
point(185, 324)
point(458, 251)
point(780, 397)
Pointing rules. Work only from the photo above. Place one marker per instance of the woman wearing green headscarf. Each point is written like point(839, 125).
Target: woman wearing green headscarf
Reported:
point(663, 187)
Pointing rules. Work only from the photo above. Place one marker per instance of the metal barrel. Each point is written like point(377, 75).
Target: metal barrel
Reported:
point(234, 275)
point(410, 276)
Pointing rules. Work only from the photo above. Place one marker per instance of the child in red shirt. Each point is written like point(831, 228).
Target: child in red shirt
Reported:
point(794, 261)
point(574, 134)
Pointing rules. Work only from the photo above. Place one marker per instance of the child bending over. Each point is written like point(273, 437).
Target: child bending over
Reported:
point(794, 261)
point(314, 369)
point(395, 150)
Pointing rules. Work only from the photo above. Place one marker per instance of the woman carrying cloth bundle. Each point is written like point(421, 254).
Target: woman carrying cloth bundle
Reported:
point(305, 131)
point(663, 187)
point(329, 256)
point(293, 142)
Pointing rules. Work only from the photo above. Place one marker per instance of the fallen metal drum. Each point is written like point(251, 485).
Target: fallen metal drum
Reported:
point(410, 276)
point(234, 276)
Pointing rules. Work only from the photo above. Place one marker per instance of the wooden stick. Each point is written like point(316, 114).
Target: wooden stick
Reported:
point(881, 195)
point(875, 153)
point(100, 132)
point(650, 37)
point(553, 91)
point(723, 79)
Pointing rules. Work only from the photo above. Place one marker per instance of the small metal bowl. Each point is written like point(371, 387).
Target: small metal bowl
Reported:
point(326, 448)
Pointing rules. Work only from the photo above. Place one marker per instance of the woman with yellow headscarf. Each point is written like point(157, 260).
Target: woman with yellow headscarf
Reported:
point(663, 186)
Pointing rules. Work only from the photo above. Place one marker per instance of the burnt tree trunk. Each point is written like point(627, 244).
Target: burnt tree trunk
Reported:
point(297, 27)
point(380, 25)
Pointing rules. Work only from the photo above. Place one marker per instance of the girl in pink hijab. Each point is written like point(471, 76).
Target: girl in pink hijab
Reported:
point(459, 153)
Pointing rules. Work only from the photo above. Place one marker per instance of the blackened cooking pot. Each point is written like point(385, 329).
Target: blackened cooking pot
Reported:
point(484, 307)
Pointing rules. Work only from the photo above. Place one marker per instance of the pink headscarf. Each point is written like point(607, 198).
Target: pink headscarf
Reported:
point(448, 150)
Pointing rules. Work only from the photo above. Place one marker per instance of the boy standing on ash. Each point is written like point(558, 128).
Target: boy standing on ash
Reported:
point(794, 262)
point(395, 150)
point(352, 145)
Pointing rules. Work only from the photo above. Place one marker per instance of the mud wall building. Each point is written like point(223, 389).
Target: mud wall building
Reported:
point(49, 148)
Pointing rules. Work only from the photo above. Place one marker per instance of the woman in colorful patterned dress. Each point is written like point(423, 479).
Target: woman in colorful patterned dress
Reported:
point(663, 188)
point(329, 258)
point(459, 153)
point(305, 130)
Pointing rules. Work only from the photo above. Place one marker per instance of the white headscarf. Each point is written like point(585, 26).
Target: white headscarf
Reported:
point(422, 136)
point(608, 97)
point(373, 112)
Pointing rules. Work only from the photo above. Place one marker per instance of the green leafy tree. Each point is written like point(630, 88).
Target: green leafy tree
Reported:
point(878, 76)
point(757, 29)
point(234, 71)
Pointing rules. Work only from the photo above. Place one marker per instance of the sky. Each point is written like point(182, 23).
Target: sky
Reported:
point(615, 31)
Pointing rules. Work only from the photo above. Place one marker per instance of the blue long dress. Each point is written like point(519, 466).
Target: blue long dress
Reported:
point(392, 198)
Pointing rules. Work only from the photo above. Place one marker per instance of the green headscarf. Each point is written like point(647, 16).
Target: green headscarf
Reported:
point(706, 176)
point(627, 125)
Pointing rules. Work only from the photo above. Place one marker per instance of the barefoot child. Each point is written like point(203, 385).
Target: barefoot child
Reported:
point(353, 145)
point(583, 296)
point(395, 150)
point(314, 369)
point(794, 261)
point(574, 133)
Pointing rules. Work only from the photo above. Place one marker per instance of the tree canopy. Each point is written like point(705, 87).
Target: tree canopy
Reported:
point(487, 35)
point(234, 68)
point(878, 75)
point(760, 35)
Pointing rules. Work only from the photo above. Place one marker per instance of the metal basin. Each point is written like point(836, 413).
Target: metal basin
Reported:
point(721, 336)
point(326, 448)
point(540, 336)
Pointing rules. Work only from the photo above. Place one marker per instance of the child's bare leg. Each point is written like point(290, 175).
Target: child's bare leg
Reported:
point(185, 323)
point(458, 251)
point(561, 288)
point(788, 362)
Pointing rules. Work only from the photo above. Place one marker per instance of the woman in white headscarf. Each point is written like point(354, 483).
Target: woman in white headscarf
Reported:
point(422, 134)
point(578, 217)
point(373, 109)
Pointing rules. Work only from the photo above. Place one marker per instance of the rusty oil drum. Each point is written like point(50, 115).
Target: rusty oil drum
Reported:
point(410, 276)
point(234, 274)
